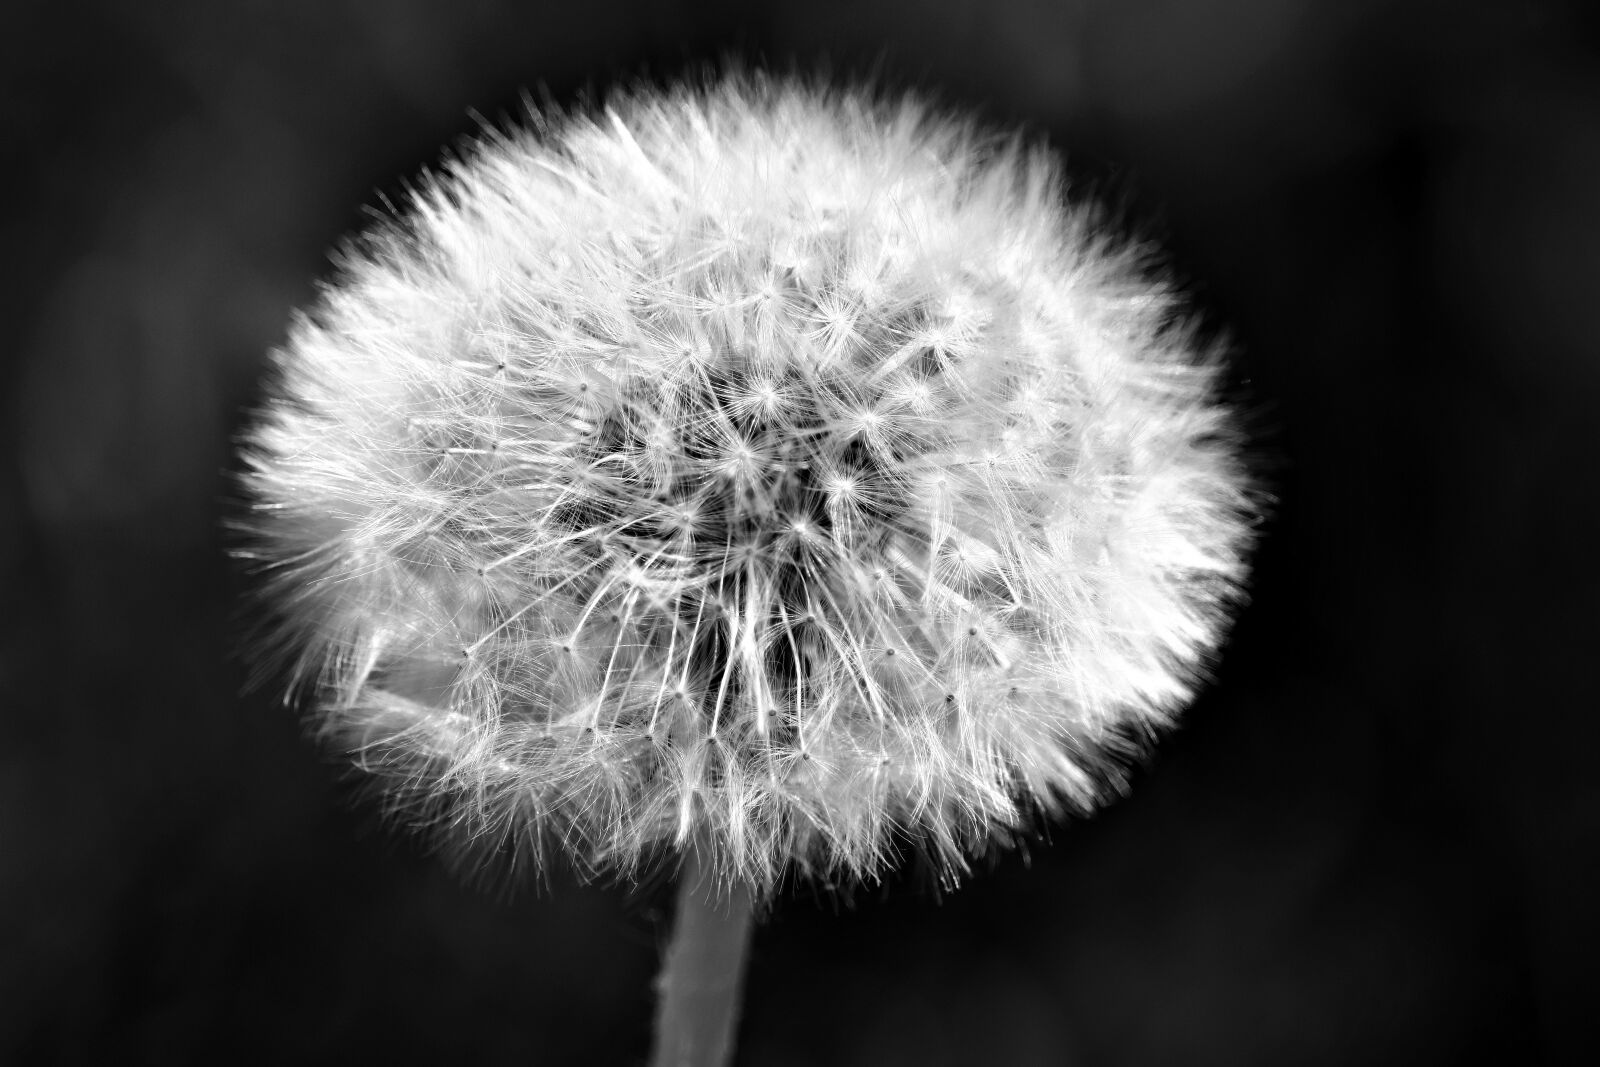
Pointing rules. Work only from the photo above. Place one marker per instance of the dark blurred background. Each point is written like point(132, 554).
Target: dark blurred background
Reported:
point(1370, 840)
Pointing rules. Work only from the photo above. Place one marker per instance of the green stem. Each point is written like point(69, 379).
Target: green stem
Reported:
point(702, 974)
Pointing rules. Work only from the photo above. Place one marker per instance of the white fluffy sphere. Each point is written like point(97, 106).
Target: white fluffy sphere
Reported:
point(754, 468)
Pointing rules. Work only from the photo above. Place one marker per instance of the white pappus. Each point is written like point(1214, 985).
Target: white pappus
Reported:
point(776, 471)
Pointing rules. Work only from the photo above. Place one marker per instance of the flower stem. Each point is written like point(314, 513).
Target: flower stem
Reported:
point(702, 974)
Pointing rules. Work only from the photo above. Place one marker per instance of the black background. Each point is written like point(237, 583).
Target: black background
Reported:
point(1368, 842)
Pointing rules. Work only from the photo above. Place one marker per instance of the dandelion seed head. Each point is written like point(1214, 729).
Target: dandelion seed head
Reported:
point(787, 473)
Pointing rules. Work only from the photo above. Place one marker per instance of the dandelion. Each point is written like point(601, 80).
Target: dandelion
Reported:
point(752, 471)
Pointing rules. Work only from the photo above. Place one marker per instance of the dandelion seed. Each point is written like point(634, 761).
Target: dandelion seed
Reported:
point(780, 471)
